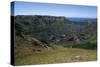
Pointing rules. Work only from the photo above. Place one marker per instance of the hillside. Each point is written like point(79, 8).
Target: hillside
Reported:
point(36, 34)
point(52, 28)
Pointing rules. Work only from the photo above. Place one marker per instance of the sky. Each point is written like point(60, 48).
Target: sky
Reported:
point(67, 10)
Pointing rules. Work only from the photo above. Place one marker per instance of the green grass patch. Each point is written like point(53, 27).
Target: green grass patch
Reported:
point(56, 56)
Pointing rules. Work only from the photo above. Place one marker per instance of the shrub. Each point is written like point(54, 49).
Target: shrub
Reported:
point(86, 45)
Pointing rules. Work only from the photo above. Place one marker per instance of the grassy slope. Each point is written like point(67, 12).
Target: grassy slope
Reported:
point(56, 56)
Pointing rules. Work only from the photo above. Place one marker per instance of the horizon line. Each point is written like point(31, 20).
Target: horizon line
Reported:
point(51, 15)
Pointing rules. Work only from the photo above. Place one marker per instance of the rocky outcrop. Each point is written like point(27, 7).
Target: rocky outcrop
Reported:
point(35, 43)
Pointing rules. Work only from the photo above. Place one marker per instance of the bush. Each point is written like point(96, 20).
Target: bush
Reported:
point(86, 45)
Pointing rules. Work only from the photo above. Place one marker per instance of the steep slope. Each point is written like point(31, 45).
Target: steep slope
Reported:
point(42, 26)
point(53, 29)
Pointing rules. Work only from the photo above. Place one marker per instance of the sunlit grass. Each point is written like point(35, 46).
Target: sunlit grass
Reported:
point(61, 55)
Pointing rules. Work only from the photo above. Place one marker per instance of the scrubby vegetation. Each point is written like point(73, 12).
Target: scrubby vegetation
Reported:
point(53, 39)
point(86, 45)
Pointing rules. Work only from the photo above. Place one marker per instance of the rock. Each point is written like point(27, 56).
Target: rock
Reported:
point(36, 43)
point(77, 58)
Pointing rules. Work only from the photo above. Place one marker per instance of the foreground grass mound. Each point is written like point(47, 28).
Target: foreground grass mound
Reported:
point(29, 50)
point(57, 56)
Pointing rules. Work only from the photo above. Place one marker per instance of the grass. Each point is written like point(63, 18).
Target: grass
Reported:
point(60, 55)
point(57, 53)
